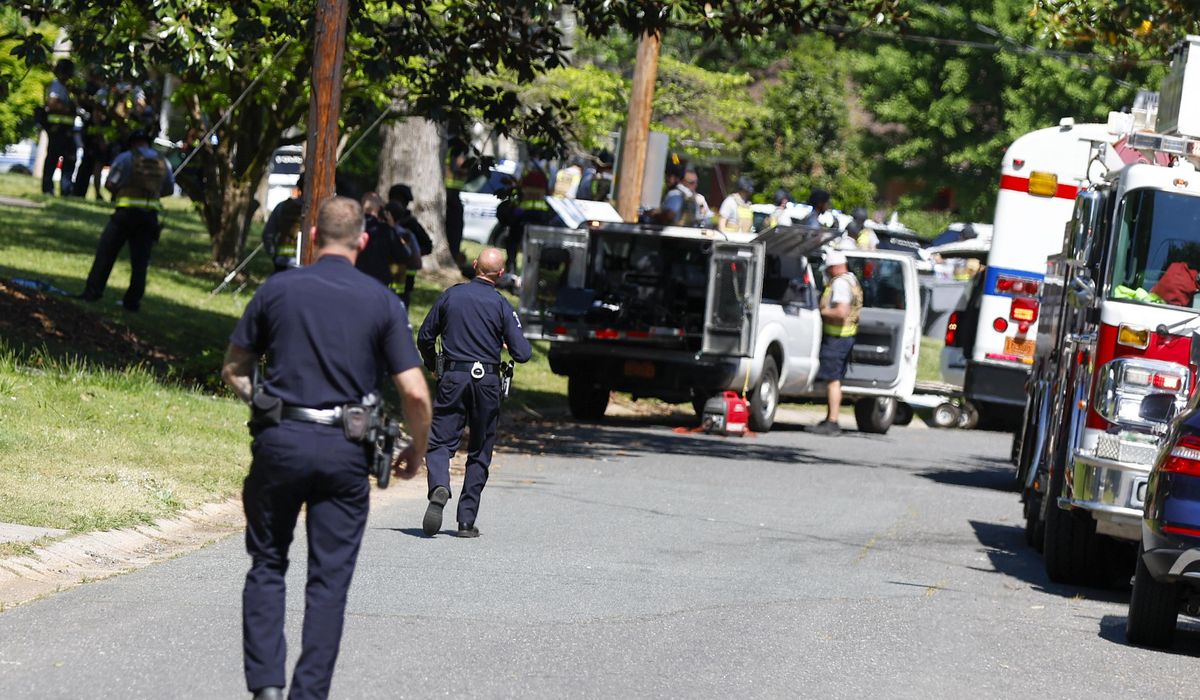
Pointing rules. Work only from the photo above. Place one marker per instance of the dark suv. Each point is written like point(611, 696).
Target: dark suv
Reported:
point(1167, 579)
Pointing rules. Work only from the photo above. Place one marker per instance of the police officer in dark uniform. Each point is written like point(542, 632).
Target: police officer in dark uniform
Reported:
point(138, 178)
point(328, 332)
point(474, 322)
point(60, 129)
point(386, 256)
point(281, 234)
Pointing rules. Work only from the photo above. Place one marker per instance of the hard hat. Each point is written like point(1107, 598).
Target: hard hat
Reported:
point(745, 184)
point(834, 257)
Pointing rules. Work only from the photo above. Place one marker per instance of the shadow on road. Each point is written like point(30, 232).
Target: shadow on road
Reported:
point(982, 476)
point(1006, 549)
point(1187, 635)
point(619, 438)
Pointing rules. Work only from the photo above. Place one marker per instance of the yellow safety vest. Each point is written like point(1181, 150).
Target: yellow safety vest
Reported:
point(745, 217)
point(846, 327)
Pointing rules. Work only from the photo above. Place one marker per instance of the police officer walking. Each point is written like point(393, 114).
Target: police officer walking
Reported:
point(328, 332)
point(139, 177)
point(474, 321)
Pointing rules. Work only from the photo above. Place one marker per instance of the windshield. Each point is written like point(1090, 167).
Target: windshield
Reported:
point(1157, 257)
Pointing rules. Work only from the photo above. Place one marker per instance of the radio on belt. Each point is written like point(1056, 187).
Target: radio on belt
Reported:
point(725, 414)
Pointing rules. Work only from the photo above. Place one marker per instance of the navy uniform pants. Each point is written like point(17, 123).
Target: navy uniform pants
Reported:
point(138, 228)
point(464, 402)
point(301, 464)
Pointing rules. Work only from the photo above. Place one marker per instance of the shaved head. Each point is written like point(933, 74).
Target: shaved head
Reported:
point(490, 263)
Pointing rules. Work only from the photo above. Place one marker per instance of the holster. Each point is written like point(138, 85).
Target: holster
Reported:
point(358, 420)
point(265, 411)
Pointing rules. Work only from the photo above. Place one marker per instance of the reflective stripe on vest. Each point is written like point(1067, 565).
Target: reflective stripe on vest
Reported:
point(60, 119)
point(848, 326)
point(286, 251)
point(135, 203)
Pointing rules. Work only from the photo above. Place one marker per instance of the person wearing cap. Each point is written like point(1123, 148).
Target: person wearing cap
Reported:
point(818, 199)
point(138, 178)
point(864, 237)
point(783, 202)
point(840, 306)
point(281, 234)
point(735, 214)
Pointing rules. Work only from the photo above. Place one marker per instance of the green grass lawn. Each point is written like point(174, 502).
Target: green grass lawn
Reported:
point(96, 438)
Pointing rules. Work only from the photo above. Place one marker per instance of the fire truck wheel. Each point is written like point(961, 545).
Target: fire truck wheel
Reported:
point(875, 415)
point(945, 415)
point(586, 399)
point(764, 398)
point(904, 414)
point(969, 417)
point(1072, 550)
point(1034, 527)
point(1153, 609)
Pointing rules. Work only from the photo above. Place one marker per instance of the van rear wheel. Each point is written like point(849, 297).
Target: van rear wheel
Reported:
point(586, 398)
point(875, 414)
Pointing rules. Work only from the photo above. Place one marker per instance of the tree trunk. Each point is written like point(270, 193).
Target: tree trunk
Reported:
point(411, 154)
point(235, 201)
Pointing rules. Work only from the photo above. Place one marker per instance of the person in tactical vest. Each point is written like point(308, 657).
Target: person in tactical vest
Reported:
point(59, 123)
point(281, 233)
point(841, 304)
point(736, 214)
point(386, 256)
point(138, 178)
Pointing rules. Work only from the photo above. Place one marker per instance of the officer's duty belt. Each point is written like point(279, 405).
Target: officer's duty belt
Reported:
point(324, 416)
point(456, 366)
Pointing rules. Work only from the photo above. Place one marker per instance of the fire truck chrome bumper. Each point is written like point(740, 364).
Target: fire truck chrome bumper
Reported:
point(1112, 491)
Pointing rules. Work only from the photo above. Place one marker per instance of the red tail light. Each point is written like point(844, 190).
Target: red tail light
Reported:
point(1184, 457)
point(952, 328)
point(607, 334)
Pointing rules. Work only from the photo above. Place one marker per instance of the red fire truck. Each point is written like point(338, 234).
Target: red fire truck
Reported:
point(1117, 308)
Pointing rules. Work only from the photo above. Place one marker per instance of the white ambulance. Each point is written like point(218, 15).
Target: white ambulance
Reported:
point(997, 328)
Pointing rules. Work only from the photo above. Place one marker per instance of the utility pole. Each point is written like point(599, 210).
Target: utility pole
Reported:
point(324, 109)
point(637, 129)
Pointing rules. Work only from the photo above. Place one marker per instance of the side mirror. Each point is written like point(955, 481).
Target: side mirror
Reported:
point(1081, 234)
point(1159, 408)
point(1081, 291)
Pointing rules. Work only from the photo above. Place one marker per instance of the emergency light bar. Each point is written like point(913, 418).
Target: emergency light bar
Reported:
point(1175, 145)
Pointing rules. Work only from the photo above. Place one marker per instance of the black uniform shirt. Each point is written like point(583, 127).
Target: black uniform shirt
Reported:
point(473, 319)
point(328, 331)
point(384, 249)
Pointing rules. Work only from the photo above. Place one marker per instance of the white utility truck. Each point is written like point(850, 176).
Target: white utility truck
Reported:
point(682, 314)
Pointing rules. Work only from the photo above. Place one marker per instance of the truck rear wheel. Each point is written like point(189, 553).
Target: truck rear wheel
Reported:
point(875, 414)
point(765, 397)
point(586, 398)
point(1071, 547)
point(1153, 609)
point(945, 415)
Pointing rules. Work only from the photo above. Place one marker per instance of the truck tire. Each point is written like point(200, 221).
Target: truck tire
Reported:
point(764, 399)
point(1035, 530)
point(875, 414)
point(904, 414)
point(945, 415)
point(1071, 547)
point(1153, 609)
point(969, 418)
point(586, 398)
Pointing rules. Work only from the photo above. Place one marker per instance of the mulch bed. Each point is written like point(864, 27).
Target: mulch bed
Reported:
point(30, 319)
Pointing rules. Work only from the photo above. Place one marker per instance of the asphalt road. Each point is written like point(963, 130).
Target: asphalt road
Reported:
point(628, 560)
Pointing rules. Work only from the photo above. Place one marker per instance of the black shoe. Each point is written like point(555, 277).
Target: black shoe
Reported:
point(433, 514)
point(128, 307)
point(271, 693)
point(466, 531)
point(826, 427)
point(84, 296)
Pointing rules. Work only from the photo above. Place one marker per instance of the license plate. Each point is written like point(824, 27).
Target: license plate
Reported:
point(1020, 348)
point(642, 369)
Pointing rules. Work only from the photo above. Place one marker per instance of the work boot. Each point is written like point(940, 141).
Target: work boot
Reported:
point(826, 427)
point(467, 531)
point(271, 693)
point(433, 514)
